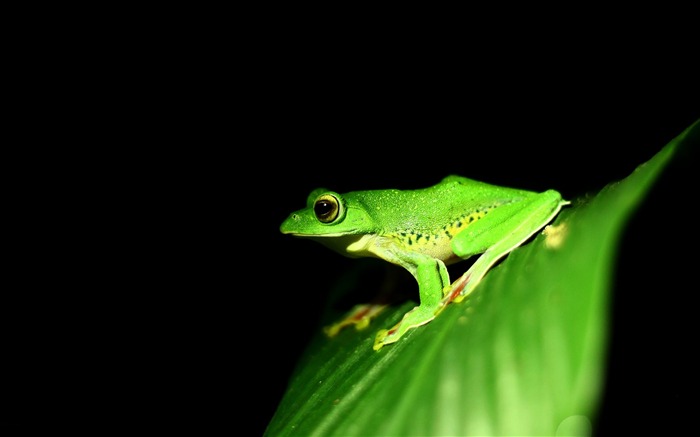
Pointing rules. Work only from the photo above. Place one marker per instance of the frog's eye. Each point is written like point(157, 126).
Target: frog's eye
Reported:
point(327, 208)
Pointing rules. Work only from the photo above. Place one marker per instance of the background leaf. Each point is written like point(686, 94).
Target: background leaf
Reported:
point(523, 355)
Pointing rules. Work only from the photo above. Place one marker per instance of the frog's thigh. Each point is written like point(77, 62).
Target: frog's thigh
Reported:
point(497, 234)
point(508, 226)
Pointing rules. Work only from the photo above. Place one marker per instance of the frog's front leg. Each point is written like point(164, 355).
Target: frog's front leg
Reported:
point(433, 278)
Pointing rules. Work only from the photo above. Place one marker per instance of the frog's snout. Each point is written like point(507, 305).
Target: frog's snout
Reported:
point(287, 226)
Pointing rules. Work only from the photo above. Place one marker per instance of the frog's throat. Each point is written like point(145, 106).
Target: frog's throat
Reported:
point(353, 245)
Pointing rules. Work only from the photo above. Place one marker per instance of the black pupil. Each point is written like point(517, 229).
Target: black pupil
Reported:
point(323, 208)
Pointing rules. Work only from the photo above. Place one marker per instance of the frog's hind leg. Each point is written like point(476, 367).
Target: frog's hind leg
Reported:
point(508, 227)
point(360, 316)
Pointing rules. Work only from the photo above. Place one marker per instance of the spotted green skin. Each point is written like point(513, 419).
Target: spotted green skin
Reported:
point(426, 229)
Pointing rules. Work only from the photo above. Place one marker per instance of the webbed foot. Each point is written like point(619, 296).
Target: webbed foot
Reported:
point(360, 316)
point(418, 316)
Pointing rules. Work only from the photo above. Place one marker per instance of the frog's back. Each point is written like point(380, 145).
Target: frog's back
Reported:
point(469, 190)
point(455, 198)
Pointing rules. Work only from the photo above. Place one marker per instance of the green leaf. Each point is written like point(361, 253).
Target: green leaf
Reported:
point(524, 355)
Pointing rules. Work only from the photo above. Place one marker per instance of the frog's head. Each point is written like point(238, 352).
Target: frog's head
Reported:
point(328, 214)
point(330, 218)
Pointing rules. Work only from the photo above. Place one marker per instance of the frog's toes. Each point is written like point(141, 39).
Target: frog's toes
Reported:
point(360, 316)
point(381, 339)
point(332, 330)
point(388, 336)
point(362, 323)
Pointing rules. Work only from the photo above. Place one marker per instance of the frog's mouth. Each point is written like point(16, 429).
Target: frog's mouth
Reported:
point(337, 235)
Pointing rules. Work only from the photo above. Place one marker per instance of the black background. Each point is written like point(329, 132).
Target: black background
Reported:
point(154, 283)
